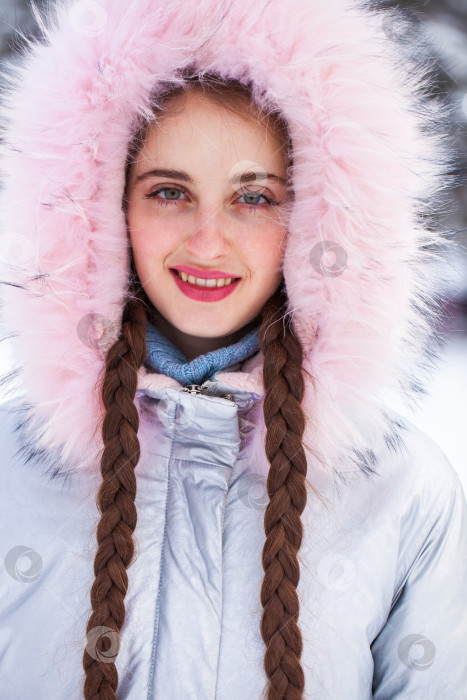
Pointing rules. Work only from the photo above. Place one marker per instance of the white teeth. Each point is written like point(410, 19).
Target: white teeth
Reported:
point(204, 282)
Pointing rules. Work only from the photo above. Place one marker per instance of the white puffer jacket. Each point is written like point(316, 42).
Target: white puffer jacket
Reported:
point(383, 563)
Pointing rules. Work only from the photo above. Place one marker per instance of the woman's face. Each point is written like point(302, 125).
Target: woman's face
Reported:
point(197, 215)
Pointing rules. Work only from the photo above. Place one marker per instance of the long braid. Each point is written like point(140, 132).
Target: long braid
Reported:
point(285, 423)
point(116, 503)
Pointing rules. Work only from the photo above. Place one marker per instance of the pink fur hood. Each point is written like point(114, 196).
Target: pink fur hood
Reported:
point(370, 161)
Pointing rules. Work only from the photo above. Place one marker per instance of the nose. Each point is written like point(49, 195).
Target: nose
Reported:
point(208, 240)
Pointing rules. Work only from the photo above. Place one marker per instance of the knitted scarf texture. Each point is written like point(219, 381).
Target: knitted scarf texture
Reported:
point(167, 359)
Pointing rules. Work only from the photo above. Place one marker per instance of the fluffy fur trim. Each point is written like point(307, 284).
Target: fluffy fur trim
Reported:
point(370, 162)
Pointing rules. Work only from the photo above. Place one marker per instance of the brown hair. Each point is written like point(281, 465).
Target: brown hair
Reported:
point(285, 422)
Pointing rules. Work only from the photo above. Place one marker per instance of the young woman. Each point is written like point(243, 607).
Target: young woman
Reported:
point(267, 526)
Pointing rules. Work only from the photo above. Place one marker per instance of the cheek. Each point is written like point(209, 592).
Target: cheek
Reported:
point(150, 239)
point(263, 253)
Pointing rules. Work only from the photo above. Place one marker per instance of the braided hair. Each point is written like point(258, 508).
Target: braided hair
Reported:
point(285, 423)
point(116, 503)
point(286, 483)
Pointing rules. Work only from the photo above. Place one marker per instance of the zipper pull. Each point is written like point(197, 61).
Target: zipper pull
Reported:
point(205, 389)
point(192, 389)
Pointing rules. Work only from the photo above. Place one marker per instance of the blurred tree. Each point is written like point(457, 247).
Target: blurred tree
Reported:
point(16, 16)
point(444, 24)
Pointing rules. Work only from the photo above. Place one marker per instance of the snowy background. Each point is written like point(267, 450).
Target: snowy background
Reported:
point(441, 414)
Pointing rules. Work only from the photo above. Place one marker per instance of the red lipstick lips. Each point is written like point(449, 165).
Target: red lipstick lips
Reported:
point(203, 293)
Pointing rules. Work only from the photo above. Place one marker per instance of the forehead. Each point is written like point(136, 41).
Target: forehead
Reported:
point(194, 128)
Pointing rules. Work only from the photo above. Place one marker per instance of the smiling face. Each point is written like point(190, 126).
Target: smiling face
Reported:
point(187, 207)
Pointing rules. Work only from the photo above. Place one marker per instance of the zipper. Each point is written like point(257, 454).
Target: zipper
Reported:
point(203, 389)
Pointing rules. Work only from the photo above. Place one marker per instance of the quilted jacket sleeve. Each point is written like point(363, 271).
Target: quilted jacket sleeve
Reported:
point(420, 653)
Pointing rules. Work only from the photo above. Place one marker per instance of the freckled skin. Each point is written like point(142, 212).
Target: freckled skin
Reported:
point(207, 224)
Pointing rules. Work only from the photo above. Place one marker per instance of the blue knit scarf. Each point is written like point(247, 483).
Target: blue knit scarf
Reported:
point(167, 359)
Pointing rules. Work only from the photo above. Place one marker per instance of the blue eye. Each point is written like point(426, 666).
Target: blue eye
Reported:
point(167, 202)
point(255, 194)
point(170, 201)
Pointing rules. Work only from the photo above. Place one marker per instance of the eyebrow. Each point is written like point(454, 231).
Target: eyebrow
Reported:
point(237, 179)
